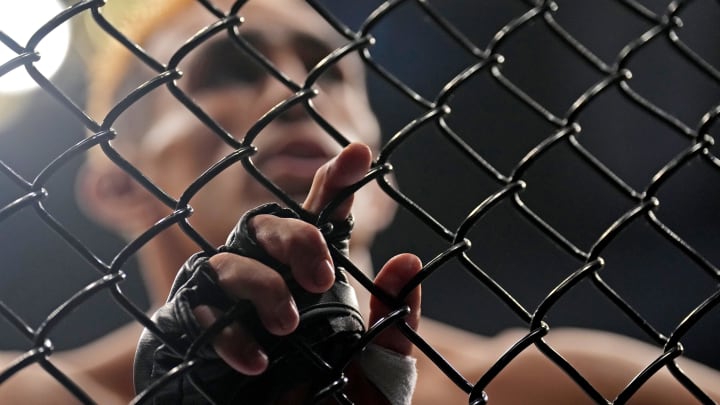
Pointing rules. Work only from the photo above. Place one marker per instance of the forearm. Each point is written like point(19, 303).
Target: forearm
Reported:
point(33, 385)
point(103, 369)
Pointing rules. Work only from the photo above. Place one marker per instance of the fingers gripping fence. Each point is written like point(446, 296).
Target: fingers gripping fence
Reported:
point(487, 61)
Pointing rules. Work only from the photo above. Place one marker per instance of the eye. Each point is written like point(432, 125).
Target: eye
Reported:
point(332, 74)
point(222, 64)
point(312, 51)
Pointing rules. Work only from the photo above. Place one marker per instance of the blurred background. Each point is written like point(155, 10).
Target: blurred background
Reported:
point(39, 271)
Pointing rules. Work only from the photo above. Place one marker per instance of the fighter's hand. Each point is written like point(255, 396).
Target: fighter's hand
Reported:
point(301, 247)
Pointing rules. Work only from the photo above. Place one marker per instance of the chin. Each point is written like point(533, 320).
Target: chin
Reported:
point(297, 189)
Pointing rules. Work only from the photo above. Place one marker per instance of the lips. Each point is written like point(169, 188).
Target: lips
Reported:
point(292, 165)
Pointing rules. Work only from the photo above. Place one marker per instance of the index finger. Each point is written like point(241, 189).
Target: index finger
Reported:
point(347, 168)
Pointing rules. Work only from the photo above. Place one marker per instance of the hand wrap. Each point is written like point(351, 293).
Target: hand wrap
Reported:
point(393, 374)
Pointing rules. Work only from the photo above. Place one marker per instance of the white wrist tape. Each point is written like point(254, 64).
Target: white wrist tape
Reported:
point(393, 374)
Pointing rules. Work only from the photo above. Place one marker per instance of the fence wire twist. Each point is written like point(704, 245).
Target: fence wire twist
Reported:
point(488, 62)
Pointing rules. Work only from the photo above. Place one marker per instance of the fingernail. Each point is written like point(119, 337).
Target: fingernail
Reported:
point(287, 316)
point(325, 274)
point(257, 360)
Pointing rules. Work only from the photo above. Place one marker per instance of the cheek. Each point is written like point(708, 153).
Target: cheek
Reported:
point(369, 127)
point(234, 107)
point(364, 122)
point(348, 110)
point(174, 169)
point(177, 164)
point(371, 213)
point(215, 211)
point(218, 205)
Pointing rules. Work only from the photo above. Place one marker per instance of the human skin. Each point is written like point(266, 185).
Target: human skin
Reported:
point(176, 148)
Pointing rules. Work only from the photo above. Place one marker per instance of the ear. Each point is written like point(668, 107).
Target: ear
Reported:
point(115, 200)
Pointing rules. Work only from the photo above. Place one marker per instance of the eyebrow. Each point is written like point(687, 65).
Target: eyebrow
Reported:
point(258, 41)
point(299, 40)
point(227, 51)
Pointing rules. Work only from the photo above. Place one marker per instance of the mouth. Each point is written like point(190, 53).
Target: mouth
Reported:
point(292, 166)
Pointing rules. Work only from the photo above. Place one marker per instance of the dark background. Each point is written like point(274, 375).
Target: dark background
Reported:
point(39, 272)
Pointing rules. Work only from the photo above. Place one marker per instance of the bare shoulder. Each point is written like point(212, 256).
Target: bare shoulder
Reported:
point(609, 362)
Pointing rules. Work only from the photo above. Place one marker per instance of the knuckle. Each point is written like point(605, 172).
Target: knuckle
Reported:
point(298, 240)
point(272, 284)
point(221, 262)
point(233, 269)
point(285, 238)
point(306, 236)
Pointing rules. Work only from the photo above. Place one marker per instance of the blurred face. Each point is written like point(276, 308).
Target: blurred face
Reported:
point(235, 91)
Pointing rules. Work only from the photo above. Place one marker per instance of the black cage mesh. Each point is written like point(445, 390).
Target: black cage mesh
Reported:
point(569, 143)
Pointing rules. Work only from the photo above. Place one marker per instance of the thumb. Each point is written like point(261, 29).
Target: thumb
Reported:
point(397, 272)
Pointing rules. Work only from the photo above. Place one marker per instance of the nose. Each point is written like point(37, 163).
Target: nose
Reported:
point(275, 91)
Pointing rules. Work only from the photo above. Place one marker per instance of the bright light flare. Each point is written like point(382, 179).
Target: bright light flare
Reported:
point(19, 20)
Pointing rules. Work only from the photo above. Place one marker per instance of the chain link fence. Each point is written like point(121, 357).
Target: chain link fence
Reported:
point(581, 169)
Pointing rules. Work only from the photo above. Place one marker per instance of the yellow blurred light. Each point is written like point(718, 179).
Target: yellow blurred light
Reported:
point(20, 20)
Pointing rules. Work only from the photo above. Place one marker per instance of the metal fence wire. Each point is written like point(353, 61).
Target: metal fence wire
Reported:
point(558, 127)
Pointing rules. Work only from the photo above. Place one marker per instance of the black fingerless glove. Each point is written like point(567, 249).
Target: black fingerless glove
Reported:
point(330, 324)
